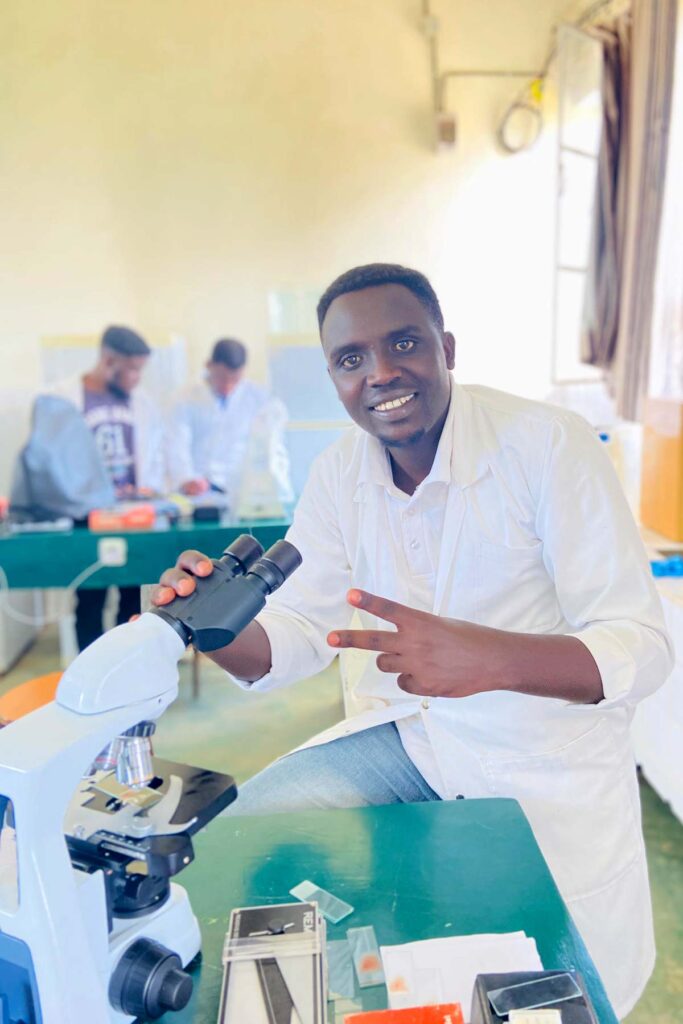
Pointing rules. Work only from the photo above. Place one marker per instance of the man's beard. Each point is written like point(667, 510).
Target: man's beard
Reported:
point(117, 391)
point(404, 442)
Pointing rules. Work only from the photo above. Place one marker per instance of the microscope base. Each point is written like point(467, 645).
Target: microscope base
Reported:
point(173, 925)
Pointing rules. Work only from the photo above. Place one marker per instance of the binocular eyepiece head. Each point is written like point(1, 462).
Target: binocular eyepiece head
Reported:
point(225, 602)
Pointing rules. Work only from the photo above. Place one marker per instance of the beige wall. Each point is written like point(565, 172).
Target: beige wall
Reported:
point(166, 163)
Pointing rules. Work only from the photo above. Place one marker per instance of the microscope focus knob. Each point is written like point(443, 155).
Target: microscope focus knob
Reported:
point(149, 980)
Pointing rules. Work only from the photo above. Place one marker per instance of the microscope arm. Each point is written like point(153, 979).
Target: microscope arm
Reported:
point(128, 666)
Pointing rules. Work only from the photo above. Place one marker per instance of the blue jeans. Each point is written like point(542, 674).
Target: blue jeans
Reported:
point(368, 768)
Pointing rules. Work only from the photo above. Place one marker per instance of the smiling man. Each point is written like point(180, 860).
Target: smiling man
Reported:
point(508, 615)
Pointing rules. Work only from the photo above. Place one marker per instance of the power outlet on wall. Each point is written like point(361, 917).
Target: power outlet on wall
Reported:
point(112, 551)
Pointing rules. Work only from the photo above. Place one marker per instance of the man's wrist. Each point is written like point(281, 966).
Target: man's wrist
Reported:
point(547, 665)
point(506, 660)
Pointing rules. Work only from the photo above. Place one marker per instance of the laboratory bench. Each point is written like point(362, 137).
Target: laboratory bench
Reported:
point(413, 871)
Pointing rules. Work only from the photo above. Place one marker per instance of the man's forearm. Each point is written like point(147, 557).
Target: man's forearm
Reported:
point(549, 666)
point(248, 657)
point(441, 657)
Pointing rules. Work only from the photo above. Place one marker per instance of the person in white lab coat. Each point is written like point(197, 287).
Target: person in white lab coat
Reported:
point(211, 425)
point(506, 603)
point(128, 432)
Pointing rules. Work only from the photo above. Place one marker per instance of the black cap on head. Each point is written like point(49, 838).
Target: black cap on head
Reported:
point(371, 275)
point(229, 353)
point(125, 342)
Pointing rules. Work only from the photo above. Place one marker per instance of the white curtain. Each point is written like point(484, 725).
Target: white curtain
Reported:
point(666, 376)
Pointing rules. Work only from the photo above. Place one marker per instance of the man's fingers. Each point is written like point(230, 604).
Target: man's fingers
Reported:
point(408, 683)
point(181, 582)
point(162, 595)
point(382, 607)
point(194, 562)
point(365, 639)
point(389, 662)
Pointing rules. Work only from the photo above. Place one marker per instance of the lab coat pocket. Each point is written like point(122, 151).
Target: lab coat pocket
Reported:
point(579, 801)
point(513, 589)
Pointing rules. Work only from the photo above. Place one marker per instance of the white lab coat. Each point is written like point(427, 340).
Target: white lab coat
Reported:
point(208, 440)
point(150, 471)
point(538, 538)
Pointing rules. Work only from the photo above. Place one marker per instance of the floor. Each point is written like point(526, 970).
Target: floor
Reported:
point(227, 729)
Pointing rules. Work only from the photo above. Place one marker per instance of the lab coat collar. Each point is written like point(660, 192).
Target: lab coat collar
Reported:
point(462, 456)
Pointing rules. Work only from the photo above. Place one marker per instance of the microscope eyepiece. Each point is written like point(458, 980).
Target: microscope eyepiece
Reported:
point(278, 563)
point(244, 551)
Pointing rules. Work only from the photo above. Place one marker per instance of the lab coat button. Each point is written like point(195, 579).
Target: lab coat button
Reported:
point(414, 544)
point(425, 703)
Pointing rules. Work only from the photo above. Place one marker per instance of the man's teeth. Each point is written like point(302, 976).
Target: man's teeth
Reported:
point(396, 403)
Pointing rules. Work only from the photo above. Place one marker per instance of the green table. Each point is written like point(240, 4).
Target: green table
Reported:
point(414, 871)
point(41, 560)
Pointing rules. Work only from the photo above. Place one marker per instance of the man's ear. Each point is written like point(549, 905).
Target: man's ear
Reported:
point(109, 360)
point(449, 349)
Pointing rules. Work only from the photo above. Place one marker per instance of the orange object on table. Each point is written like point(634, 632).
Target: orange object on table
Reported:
point(661, 493)
point(134, 517)
point(446, 1013)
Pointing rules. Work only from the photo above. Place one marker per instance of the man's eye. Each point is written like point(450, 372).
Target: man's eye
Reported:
point(405, 344)
point(350, 362)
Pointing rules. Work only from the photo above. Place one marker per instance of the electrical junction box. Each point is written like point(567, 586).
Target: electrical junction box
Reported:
point(112, 551)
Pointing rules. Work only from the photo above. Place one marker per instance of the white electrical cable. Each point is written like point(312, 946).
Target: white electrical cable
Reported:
point(41, 620)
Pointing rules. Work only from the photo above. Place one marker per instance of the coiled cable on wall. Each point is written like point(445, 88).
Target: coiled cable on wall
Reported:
point(529, 103)
point(529, 100)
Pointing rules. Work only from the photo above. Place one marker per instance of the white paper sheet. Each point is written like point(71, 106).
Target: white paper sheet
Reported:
point(444, 970)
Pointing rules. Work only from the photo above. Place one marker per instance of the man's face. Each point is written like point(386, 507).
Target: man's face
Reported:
point(389, 362)
point(124, 372)
point(222, 380)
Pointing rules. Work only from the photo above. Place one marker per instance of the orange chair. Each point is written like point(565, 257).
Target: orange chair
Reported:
point(28, 696)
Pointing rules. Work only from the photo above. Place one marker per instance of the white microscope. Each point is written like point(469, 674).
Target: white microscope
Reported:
point(92, 827)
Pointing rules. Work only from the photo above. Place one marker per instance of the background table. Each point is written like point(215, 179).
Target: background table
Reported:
point(414, 871)
point(42, 560)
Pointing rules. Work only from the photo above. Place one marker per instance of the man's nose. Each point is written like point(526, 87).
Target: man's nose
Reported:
point(382, 371)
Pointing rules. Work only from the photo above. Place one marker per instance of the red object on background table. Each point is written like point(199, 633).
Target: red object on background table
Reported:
point(446, 1013)
point(139, 517)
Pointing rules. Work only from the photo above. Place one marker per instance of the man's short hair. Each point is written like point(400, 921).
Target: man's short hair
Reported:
point(230, 353)
point(374, 274)
point(125, 342)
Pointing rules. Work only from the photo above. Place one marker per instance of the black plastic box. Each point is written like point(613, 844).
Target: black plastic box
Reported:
point(574, 1011)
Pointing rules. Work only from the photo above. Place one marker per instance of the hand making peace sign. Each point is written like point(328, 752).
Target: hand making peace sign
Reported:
point(433, 656)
